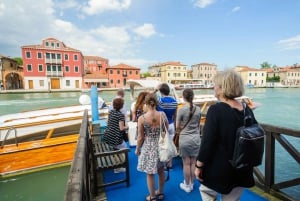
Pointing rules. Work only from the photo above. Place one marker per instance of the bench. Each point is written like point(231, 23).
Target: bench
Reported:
point(105, 157)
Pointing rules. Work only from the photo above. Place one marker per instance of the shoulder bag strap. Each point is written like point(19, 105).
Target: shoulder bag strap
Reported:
point(189, 119)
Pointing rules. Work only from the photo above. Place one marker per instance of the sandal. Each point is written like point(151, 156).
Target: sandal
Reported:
point(148, 198)
point(160, 196)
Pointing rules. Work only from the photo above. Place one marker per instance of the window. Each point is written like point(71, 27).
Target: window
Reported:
point(130, 72)
point(118, 81)
point(52, 44)
point(66, 57)
point(42, 83)
point(57, 44)
point(111, 71)
point(68, 83)
point(111, 81)
point(47, 43)
point(58, 56)
point(76, 69)
point(28, 55)
point(48, 67)
point(47, 55)
point(75, 57)
point(67, 68)
point(29, 67)
point(118, 71)
point(136, 72)
point(40, 67)
point(54, 68)
point(39, 55)
point(53, 56)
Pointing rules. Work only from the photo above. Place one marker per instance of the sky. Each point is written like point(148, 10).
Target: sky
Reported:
point(142, 33)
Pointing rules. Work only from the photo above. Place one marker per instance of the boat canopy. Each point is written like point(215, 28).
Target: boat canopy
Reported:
point(148, 85)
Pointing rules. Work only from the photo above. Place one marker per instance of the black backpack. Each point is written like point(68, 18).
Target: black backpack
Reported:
point(249, 144)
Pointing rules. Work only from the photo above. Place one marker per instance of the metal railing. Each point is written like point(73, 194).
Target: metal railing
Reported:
point(266, 180)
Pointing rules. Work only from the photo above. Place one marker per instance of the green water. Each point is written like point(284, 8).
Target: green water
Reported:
point(278, 107)
point(47, 185)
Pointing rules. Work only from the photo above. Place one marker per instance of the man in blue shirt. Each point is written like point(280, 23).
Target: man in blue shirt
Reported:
point(167, 104)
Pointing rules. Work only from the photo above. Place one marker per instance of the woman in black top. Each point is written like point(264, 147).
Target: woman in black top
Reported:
point(213, 169)
point(115, 125)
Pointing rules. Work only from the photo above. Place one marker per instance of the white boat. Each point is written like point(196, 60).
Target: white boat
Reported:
point(37, 139)
point(193, 86)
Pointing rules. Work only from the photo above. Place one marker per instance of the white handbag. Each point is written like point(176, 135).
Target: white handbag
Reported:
point(167, 149)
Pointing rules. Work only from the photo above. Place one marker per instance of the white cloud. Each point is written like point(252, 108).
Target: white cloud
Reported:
point(290, 43)
point(112, 34)
point(236, 9)
point(146, 30)
point(99, 6)
point(203, 3)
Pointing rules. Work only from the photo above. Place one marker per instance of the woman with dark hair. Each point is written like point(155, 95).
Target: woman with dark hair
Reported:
point(147, 147)
point(113, 134)
point(139, 107)
point(189, 139)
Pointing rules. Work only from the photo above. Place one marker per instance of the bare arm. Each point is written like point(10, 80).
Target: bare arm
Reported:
point(140, 137)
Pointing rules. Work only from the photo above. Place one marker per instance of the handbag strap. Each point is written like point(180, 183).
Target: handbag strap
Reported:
point(189, 118)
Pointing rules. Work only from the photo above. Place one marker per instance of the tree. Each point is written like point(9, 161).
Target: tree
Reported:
point(147, 74)
point(18, 60)
point(265, 64)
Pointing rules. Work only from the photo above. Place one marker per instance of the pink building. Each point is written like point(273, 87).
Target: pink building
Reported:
point(52, 65)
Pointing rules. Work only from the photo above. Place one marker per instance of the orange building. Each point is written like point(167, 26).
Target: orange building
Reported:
point(119, 74)
point(95, 72)
point(52, 65)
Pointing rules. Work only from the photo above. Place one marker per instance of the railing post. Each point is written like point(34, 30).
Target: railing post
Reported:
point(269, 161)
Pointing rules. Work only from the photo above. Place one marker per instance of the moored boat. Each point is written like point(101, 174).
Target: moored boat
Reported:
point(40, 138)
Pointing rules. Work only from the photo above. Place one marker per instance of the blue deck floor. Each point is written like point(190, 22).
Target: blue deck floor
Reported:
point(138, 186)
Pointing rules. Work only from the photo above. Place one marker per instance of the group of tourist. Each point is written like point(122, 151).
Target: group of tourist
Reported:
point(205, 158)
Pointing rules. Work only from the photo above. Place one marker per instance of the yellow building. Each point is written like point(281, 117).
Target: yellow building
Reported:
point(252, 77)
point(169, 71)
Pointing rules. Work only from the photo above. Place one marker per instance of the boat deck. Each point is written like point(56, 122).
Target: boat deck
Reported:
point(138, 186)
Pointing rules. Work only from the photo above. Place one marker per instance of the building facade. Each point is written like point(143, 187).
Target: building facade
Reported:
point(95, 72)
point(11, 74)
point(52, 65)
point(252, 77)
point(204, 73)
point(119, 74)
point(170, 71)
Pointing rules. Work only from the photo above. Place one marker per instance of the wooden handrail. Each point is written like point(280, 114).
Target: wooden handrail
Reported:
point(266, 179)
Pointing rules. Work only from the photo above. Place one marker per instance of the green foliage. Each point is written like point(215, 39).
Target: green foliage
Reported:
point(147, 74)
point(265, 65)
point(273, 79)
point(18, 60)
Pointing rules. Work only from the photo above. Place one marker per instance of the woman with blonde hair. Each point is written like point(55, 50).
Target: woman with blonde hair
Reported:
point(213, 168)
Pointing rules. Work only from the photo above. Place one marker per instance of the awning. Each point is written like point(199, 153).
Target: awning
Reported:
point(95, 80)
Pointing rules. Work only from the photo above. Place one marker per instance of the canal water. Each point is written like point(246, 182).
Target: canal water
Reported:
point(279, 106)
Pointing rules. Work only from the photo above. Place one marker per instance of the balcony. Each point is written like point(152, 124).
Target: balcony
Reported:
point(53, 61)
point(54, 74)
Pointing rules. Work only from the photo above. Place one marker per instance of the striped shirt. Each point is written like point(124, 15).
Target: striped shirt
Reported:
point(168, 105)
point(112, 134)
